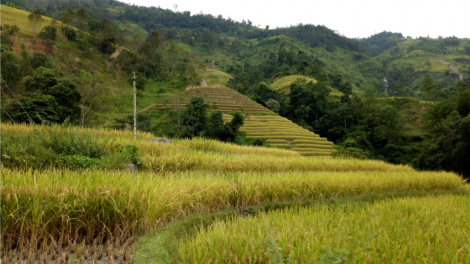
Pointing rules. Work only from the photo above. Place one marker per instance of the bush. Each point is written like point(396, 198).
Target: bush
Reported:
point(24, 150)
point(48, 33)
point(56, 146)
point(67, 142)
point(259, 142)
point(77, 161)
point(355, 153)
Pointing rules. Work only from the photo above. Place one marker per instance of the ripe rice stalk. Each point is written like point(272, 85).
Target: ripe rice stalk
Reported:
point(74, 205)
point(385, 232)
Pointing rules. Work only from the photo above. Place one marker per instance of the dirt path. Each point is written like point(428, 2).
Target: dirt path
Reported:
point(453, 68)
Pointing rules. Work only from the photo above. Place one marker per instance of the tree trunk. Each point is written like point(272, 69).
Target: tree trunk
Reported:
point(135, 108)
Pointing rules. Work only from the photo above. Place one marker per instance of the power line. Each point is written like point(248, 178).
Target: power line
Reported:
point(8, 114)
point(16, 99)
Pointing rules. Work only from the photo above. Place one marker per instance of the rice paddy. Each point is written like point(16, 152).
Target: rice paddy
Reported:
point(58, 215)
point(283, 84)
point(260, 123)
point(408, 230)
point(281, 132)
point(224, 99)
point(77, 207)
point(215, 77)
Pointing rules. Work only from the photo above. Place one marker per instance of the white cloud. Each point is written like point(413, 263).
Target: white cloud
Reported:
point(351, 18)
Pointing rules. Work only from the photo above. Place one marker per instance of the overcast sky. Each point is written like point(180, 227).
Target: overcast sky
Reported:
point(360, 18)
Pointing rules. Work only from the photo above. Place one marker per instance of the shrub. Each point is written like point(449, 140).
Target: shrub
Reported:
point(67, 142)
point(77, 161)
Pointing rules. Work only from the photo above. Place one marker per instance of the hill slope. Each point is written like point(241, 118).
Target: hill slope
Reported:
point(13, 16)
point(283, 84)
point(260, 123)
point(215, 77)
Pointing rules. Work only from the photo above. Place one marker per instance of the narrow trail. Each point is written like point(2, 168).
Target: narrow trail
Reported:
point(453, 68)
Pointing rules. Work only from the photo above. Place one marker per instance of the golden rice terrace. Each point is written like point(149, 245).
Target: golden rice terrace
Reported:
point(278, 131)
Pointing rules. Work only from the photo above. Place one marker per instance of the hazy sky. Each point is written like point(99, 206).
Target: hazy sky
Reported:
point(360, 18)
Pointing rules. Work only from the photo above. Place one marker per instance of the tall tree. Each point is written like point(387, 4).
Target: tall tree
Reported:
point(94, 95)
point(35, 20)
point(67, 19)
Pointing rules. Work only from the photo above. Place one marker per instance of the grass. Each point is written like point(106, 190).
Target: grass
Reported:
point(209, 155)
point(215, 77)
point(385, 232)
point(160, 245)
point(12, 16)
point(65, 210)
point(94, 203)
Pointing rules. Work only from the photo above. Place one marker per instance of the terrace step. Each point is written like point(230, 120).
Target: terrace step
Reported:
point(278, 131)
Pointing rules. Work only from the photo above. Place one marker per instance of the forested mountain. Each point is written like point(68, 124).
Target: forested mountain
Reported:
point(93, 47)
point(378, 43)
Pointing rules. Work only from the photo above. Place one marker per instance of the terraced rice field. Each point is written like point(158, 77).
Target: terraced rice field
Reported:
point(215, 77)
point(60, 215)
point(283, 84)
point(219, 98)
point(261, 123)
point(280, 132)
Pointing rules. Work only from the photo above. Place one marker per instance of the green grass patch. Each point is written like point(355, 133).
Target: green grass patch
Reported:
point(215, 77)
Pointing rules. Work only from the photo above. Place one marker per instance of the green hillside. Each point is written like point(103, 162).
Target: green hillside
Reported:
point(260, 122)
point(380, 176)
point(246, 59)
point(283, 84)
point(12, 16)
point(406, 64)
point(358, 68)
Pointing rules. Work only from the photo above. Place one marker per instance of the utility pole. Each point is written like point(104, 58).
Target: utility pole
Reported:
point(135, 107)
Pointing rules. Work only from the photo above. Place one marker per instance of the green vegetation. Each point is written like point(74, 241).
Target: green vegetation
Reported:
point(284, 83)
point(344, 142)
point(19, 18)
point(359, 120)
point(201, 175)
point(215, 77)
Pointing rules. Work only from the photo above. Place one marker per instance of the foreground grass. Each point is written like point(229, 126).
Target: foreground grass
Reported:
point(85, 205)
point(161, 245)
point(408, 230)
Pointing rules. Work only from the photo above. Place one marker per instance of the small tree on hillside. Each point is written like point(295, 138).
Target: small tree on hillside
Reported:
point(273, 105)
point(195, 115)
point(428, 87)
point(94, 95)
point(302, 113)
point(49, 34)
point(35, 20)
point(67, 18)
